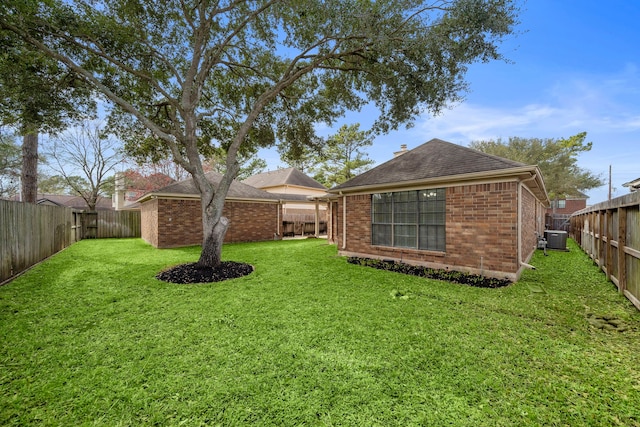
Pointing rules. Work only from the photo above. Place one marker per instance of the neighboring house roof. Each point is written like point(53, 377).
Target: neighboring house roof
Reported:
point(441, 161)
point(74, 202)
point(238, 190)
point(578, 196)
point(283, 177)
point(633, 185)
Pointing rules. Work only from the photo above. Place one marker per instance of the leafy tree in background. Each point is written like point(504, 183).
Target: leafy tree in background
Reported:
point(58, 184)
point(302, 156)
point(37, 94)
point(9, 166)
point(343, 158)
point(250, 164)
point(90, 151)
point(165, 167)
point(556, 158)
point(188, 77)
point(138, 182)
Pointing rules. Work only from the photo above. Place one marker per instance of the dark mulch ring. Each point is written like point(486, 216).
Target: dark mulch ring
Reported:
point(191, 273)
point(432, 273)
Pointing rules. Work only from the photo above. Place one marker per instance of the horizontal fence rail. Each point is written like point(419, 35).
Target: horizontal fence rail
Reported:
point(609, 232)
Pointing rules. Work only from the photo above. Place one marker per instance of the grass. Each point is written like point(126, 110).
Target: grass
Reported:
point(89, 337)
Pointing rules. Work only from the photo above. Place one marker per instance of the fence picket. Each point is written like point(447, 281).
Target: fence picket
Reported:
point(609, 232)
point(30, 233)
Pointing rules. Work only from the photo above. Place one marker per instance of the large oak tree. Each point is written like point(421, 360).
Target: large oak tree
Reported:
point(557, 159)
point(189, 76)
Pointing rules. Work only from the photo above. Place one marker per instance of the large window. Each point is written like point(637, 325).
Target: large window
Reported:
point(409, 219)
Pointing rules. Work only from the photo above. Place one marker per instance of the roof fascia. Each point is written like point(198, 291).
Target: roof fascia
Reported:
point(177, 196)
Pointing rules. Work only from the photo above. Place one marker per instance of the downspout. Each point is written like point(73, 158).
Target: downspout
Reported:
point(344, 222)
point(519, 222)
point(330, 222)
point(278, 216)
point(317, 224)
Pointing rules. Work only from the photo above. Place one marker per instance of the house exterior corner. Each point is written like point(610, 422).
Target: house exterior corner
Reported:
point(170, 223)
point(481, 230)
point(443, 206)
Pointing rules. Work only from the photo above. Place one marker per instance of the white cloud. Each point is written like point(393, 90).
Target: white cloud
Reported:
point(573, 105)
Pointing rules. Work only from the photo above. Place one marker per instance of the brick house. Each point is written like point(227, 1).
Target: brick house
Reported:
point(73, 202)
point(306, 214)
point(560, 211)
point(442, 205)
point(172, 216)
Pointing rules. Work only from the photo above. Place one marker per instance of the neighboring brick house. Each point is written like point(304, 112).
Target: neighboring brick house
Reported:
point(558, 214)
point(132, 185)
point(172, 215)
point(304, 215)
point(443, 206)
point(286, 181)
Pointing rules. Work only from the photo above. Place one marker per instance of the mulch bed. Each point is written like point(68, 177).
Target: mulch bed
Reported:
point(192, 273)
point(431, 273)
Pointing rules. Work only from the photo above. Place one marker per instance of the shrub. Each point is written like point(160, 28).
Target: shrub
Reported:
point(431, 273)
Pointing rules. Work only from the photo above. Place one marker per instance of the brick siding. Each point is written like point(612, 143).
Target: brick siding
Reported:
point(481, 230)
point(571, 206)
point(168, 223)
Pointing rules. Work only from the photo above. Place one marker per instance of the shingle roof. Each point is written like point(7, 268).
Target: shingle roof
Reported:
point(633, 184)
point(237, 190)
point(74, 202)
point(433, 159)
point(289, 176)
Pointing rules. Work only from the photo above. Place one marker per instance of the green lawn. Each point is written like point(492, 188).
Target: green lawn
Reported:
point(89, 337)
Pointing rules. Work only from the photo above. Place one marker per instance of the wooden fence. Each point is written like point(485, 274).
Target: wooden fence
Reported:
point(107, 224)
point(558, 222)
point(31, 233)
point(610, 233)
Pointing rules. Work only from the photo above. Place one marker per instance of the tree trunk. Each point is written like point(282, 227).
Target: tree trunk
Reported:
point(214, 232)
point(214, 225)
point(29, 175)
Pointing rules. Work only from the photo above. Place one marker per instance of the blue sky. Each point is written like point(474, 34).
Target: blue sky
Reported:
point(575, 66)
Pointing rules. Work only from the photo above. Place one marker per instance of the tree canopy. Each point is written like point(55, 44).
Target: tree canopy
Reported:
point(250, 164)
point(556, 158)
point(189, 76)
point(58, 184)
point(37, 94)
point(343, 157)
point(9, 166)
point(91, 152)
